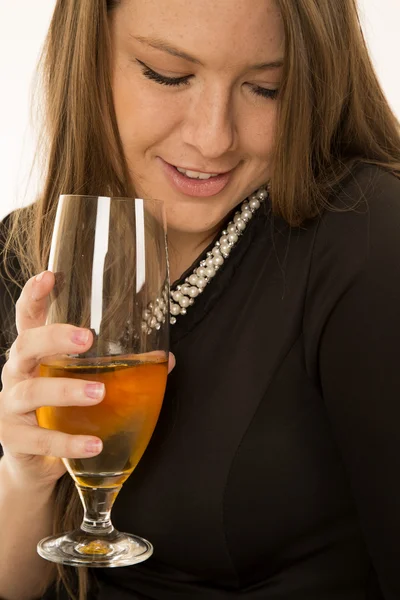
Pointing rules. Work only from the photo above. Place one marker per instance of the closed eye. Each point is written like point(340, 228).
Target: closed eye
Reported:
point(162, 79)
point(184, 80)
point(264, 92)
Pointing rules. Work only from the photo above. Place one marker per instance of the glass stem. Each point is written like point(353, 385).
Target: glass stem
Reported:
point(97, 505)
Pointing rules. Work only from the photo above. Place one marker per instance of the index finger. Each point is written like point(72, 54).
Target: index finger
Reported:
point(32, 305)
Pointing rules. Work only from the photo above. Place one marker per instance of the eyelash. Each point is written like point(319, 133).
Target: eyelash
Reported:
point(180, 81)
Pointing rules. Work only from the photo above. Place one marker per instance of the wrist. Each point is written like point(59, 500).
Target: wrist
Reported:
point(12, 479)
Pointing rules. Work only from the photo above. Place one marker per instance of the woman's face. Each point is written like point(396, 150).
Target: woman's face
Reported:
point(193, 91)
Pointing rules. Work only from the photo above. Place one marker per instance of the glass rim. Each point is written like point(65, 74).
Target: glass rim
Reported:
point(121, 198)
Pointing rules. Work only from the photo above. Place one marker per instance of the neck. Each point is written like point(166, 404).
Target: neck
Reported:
point(184, 248)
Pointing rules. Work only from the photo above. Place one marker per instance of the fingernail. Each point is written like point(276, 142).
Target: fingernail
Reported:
point(93, 446)
point(80, 337)
point(95, 390)
point(39, 277)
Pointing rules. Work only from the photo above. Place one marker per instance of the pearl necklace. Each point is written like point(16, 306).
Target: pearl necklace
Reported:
point(184, 295)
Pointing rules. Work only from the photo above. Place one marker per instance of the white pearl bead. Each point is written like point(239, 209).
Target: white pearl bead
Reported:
point(184, 302)
point(232, 238)
point(184, 295)
point(159, 314)
point(210, 272)
point(201, 282)
point(146, 315)
point(193, 292)
point(254, 203)
point(193, 278)
point(174, 309)
point(246, 215)
point(218, 261)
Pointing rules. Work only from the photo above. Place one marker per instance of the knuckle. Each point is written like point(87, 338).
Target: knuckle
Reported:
point(10, 370)
point(19, 305)
point(6, 401)
point(44, 445)
point(6, 432)
point(6, 370)
point(24, 394)
point(69, 446)
point(7, 354)
point(19, 346)
point(65, 392)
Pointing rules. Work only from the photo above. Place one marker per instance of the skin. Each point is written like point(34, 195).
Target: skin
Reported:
point(215, 122)
point(32, 454)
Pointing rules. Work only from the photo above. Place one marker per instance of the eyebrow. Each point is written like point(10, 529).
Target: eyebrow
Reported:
point(159, 44)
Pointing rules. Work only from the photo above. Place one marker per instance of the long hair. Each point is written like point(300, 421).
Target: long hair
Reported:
point(332, 115)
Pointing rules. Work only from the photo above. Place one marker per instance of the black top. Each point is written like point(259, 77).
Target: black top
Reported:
point(274, 470)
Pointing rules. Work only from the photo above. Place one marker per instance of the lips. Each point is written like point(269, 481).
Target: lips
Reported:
point(195, 187)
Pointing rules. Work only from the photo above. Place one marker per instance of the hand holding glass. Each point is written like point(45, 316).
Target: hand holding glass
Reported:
point(110, 260)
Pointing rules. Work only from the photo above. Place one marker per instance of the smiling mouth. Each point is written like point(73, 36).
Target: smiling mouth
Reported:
point(196, 174)
point(194, 182)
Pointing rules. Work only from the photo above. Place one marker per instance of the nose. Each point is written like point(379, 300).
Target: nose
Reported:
point(209, 124)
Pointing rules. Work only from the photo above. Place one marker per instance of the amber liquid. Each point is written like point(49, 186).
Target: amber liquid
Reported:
point(124, 420)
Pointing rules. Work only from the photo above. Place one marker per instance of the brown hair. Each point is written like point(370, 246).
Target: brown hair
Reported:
point(332, 115)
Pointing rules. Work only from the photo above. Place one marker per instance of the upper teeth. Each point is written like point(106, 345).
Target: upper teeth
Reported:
point(196, 174)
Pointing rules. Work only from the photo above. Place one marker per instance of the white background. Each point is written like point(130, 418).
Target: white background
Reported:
point(23, 25)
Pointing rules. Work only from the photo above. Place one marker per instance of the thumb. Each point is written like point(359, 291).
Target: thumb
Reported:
point(32, 305)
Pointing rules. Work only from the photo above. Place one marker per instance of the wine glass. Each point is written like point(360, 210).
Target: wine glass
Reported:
point(109, 256)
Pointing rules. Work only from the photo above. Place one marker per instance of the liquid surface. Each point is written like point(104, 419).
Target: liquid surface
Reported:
point(124, 420)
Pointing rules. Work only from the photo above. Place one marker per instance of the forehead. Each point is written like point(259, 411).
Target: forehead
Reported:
point(210, 29)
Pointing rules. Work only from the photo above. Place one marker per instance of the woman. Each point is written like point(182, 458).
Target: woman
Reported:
point(273, 471)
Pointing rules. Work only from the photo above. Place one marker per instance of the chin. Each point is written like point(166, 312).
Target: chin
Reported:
point(197, 221)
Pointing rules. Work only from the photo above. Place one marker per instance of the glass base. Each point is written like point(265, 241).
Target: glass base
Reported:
point(81, 549)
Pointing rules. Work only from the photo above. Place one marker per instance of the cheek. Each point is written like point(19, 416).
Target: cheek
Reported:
point(259, 133)
point(141, 122)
